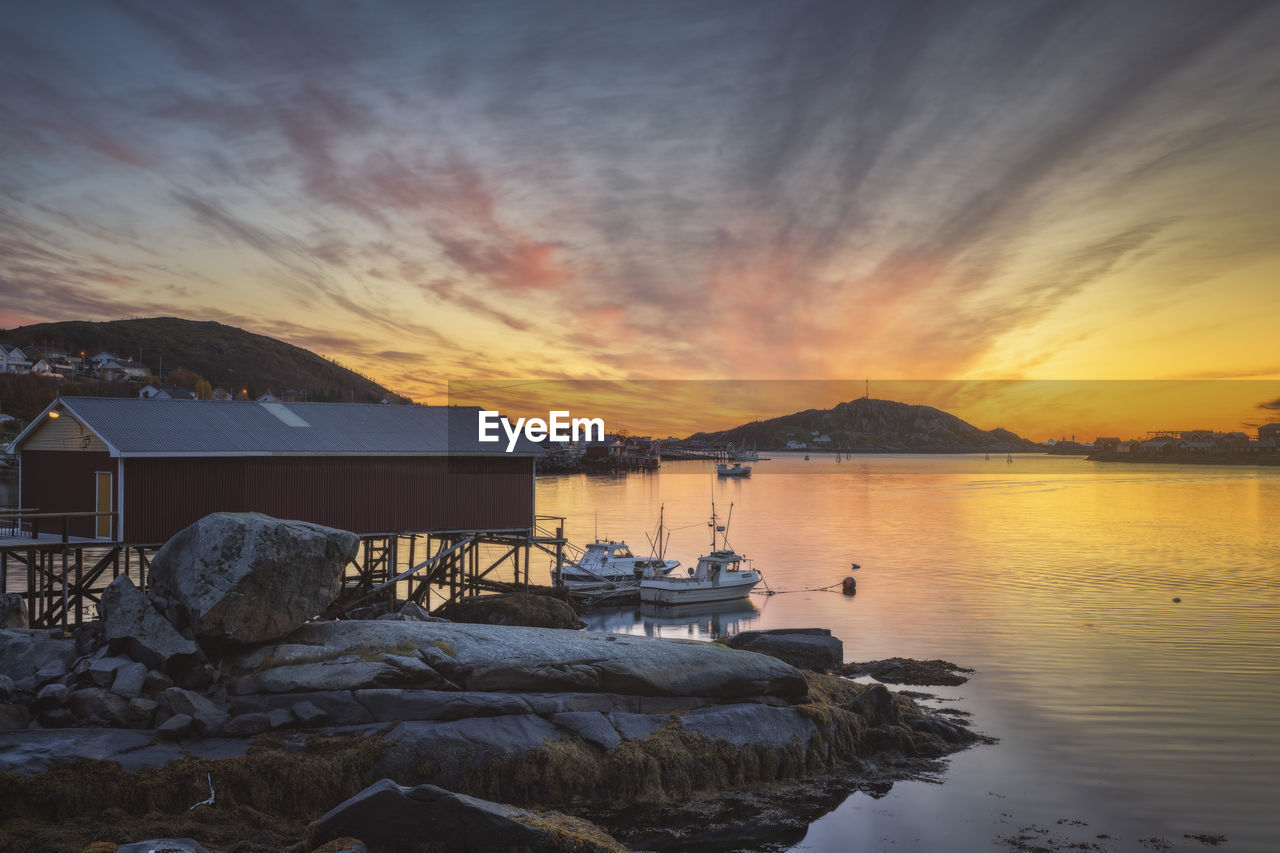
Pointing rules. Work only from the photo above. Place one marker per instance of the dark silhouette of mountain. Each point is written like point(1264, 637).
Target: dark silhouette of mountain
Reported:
point(241, 362)
point(870, 426)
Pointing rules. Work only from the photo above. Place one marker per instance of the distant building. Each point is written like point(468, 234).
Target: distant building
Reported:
point(1109, 444)
point(221, 395)
point(14, 360)
point(166, 392)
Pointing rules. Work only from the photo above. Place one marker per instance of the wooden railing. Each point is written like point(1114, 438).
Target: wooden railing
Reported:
point(24, 523)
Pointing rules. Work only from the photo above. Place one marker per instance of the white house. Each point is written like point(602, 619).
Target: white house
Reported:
point(14, 360)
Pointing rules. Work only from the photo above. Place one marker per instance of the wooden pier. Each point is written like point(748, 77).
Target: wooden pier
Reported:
point(61, 577)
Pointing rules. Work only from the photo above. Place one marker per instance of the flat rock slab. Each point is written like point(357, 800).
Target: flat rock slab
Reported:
point(508, 658)
point(806, 648)
point(30, 752)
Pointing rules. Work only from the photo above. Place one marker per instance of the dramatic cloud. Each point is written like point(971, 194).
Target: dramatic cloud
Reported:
point(821, 190)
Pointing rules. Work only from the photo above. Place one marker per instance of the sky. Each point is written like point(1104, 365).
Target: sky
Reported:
point(431, 192)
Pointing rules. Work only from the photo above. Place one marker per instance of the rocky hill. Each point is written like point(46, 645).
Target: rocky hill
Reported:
point(870, 426)
point(225, 356)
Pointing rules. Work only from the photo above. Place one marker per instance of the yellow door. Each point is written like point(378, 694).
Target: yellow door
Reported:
point(102, 524)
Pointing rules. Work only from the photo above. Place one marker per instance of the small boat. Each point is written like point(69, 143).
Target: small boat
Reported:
point(606, 562)
point(746, 456)
point(736, 470)
point(719, 576)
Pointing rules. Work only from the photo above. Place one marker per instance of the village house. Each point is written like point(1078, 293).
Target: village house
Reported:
point(14, 360)
point(166, 392)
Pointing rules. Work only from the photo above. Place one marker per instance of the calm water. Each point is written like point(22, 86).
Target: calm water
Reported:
point(1052, 576)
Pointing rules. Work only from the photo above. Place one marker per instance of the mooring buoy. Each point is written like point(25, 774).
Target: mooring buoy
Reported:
point(849, 586)
point(854, 566)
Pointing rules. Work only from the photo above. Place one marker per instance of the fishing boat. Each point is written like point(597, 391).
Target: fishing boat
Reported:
point(746, 456)
point(735, 470)
point(719, 575)
point(610, 562)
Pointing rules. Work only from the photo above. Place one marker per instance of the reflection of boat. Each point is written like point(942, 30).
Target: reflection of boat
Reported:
point(710, 619)
point(606, 562)
point(736, 470)
point(719, 576)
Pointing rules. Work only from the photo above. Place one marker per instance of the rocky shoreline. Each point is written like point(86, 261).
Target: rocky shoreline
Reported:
point(410, 732)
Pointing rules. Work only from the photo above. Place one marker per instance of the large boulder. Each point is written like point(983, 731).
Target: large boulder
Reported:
point(243, 578)
point(805, 648)
point(390, 815)
point(135, 628)
point(513, 608)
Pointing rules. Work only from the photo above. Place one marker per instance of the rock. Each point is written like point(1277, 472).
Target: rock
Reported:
point(183, 701)
point(103, 670)
point(756, 725)
point(591, 726)
point(135, 628)
point(514, 659)
point(246, 725)
point(279, 718)
point(177, 726)
point(164, 845)
point(130, 680)
point(908, 671)
point(99, 706)
point(248, 578)
point(388, 814)
point(57, 718)
point(308, 715)
point(339, 707)
point(635, 726)
point(514, 608)
point(14, 716)
point(803, 648)
point(876, 705)
point(13, 611)
point(143, 710)
point(156, 682)
point(7, 688)
point(24, 652)
point(52, 696)
point(54, 670)
point(414, 612)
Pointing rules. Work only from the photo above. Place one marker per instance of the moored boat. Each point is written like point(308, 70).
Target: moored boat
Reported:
point(735, 470)
point(718, 576)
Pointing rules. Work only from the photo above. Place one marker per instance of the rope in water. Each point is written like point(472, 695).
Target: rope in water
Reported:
point(768, 591)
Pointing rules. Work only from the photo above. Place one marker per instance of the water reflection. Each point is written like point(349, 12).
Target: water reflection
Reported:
point(705, 621)
point(1056, 579)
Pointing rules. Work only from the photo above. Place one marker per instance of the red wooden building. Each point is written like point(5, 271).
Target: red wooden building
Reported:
point(158, 465)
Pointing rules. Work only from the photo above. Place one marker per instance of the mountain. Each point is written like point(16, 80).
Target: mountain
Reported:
point(867, 425)
point(225, 356)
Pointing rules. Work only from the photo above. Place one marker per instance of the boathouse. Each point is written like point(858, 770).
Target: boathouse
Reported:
point(138, 471)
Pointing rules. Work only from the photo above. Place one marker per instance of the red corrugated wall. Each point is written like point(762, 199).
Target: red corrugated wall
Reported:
point(361, 494)
point(63, 481)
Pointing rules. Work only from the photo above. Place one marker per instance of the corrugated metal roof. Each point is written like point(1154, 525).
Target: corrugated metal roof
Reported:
point(133, 427)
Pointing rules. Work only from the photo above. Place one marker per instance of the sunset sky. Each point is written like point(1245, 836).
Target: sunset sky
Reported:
point(431, 192)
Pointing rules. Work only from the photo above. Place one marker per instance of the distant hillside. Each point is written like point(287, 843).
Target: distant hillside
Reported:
point(226, 356)
point(866, 425)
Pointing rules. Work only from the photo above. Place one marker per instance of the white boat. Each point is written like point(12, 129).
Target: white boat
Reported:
point(746, 456)
point(605, 562)
point(735, 470)
point(719, 576)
